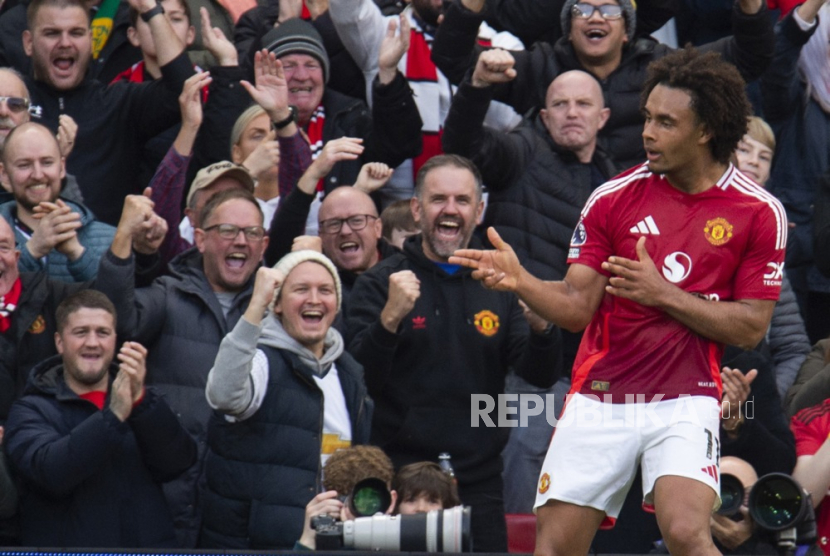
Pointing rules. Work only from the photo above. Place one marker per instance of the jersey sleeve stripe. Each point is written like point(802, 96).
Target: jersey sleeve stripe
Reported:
point(580, 374)
point(615, 185)
point(750, 188)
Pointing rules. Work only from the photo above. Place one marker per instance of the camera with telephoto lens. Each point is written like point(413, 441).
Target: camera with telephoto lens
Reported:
point(368, 497)
point(435, 531)
point(731, 495)
point(778, 504)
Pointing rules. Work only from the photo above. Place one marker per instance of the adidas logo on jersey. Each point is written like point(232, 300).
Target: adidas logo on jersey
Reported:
point(646, 226)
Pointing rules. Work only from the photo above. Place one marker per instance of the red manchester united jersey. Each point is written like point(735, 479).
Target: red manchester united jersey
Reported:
point(724, 244)
point(810, 427)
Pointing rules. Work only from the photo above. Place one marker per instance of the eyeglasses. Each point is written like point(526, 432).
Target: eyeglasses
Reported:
point(356, 223)
point(16, 104)
point(583, 10)
point(229, 231)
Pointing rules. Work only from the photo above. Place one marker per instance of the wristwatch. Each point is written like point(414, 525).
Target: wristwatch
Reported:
point(152, 12)
point(292, 117)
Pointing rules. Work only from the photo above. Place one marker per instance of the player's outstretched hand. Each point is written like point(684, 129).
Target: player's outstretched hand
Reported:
point(498, 269)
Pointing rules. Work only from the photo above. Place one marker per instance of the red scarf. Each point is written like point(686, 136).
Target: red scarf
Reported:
point(419, 67)
point(314, 132)
point(8, 303)
point(135, 74)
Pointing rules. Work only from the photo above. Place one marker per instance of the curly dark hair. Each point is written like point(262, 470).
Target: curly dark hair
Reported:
point(345, 468)
point(718, 94)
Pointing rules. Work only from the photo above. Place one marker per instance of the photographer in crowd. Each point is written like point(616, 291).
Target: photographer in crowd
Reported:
point(350, 491)
point(343, 471)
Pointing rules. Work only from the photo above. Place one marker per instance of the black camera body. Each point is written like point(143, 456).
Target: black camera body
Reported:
point(328, 532)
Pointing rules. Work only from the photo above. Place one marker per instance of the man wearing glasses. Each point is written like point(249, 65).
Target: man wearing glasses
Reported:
point(598, 37)
point(349, 234)
point(349, 227)
point(14, 103)
point(183, 317)
point(15, 109)
point(350, 231)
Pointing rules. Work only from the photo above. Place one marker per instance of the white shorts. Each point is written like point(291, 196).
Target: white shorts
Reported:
point(596, 448)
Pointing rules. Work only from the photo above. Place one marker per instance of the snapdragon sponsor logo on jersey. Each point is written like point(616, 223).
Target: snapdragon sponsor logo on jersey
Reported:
point(707, 296)
point(676, 267)
point(775, 274)
point(718, 231)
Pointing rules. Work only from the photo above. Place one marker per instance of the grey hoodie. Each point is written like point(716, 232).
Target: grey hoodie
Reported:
point(236, 379)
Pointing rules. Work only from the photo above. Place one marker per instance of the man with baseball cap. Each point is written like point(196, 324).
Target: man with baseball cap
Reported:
point(182, 317)
point(220, 176)
point(287, 396)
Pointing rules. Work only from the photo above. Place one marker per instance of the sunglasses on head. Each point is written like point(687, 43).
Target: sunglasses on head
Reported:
point(16, 104)
point(607, 11)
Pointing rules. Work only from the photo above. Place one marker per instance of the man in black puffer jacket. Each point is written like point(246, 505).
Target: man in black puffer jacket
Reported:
point(540, 175)
point(183, 317)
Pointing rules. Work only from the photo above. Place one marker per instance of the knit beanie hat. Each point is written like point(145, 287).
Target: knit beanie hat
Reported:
point(295, 36)
point(291, 260)
point(629, 14)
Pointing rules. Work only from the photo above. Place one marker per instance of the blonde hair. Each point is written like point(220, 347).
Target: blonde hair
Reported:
point(760, 130)
point(243, 121)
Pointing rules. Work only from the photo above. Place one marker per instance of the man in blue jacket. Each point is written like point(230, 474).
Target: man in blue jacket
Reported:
point(60, 237)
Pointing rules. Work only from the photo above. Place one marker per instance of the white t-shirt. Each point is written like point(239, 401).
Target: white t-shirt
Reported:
point(337, 427)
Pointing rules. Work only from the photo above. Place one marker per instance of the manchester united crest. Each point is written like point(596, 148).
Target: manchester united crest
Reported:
point(718, 231)
point(38, 326)
point(544, 483)
point(486, 322)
